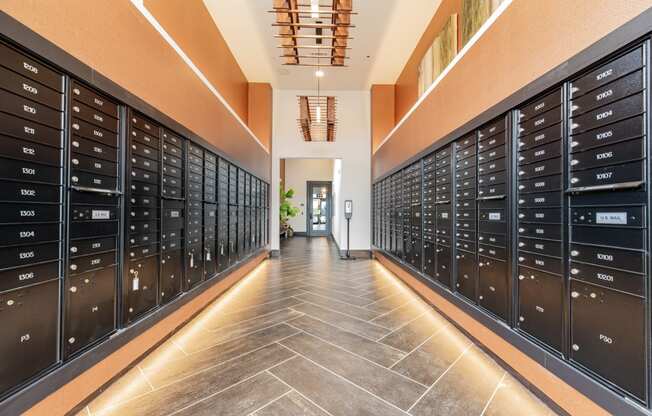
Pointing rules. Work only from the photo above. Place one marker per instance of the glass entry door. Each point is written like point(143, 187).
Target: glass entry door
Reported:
point(319, 209)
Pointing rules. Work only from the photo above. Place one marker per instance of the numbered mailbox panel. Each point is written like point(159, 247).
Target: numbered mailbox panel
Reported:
point(31, 215)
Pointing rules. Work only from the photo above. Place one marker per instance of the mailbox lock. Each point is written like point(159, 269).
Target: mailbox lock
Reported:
point(73, 267)
point(574, 271)
point(73, 289)
point(576, 347)
point(73, 249)
point(71, 340)
point(10, 302)
point(521, 319)
point(575, 253)
point(521, 277)
point(575, 294)
point(593, 295)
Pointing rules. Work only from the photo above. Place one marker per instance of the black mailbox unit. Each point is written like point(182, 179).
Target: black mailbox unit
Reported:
point(233, 214)
point(540, 202)
point(429, 216)
point(31, 125)
point(240, 239)
point(94, 236)
point(397, 178)
point(194, 216)
point(494, 225)
point(210, 215)
point(444, 217)
point(465, 216)
point(173, 218)
point(414, 254)
point(257, 213)
point(222, 244)
point(608, 183)
point(248, 216)
point(405, 209)
point(266, 214)
point(141, 267)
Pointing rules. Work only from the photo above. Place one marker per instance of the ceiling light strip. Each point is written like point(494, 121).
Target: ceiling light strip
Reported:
point(140, 6)
point(487, 24)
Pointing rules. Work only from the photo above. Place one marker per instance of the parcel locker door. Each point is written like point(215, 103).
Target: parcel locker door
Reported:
point(210, 263)
point(90, 308)
point(141, 287)
point(171, 275)
point(492, 285)
point(608, 335)
point(466, 274)
point(443, 264)
point(30, 322)
point(540, 306)
point(429, 259)
point(194, 266)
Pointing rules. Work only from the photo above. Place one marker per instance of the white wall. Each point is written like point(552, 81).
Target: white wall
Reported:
point(352, 145)
point(338, 202)
point(297, 173)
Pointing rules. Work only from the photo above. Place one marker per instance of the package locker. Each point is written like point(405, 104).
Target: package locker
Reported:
point(194, 216)
point(608, 220)
point(31, 141)
point(266, 213)
point(494, 219)
point(173, 216)
point(210, 215)
point(257, 213)
point(465, 224)
point(540, 204)
point(94, 216)
point(248, 216)
point(140, 278)
point(429, 216)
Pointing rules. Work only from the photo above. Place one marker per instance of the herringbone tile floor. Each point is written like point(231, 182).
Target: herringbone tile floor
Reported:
point(309, 334)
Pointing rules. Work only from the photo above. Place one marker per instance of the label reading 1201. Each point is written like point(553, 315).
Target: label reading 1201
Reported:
point(616, 218)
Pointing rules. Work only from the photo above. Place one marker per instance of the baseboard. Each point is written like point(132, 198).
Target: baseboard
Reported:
point(358, 254)
point(275, 254)
point(301, 233)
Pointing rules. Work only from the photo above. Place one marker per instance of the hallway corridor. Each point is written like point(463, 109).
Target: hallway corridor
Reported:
point(308, 334)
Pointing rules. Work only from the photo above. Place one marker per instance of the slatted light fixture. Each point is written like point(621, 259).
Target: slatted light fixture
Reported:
point(312, 33)
point(317, 122)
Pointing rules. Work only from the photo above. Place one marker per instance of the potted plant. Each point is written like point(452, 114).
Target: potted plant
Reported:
point(287, 211)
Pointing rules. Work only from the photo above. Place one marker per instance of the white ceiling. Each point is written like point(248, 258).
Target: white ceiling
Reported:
point(385, 34)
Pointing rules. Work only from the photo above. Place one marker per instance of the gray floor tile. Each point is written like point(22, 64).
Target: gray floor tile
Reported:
point(291, 404)
point(355, 311)
point(337, 295)
point(345, 322)
point(431, 359)
point(465, 389)
point(240, 399)
point(412, 334)
point(160, 375)
point(330, 392)
point(376, 379)
point(371, 350)
point(178, 395)
point(401, 315)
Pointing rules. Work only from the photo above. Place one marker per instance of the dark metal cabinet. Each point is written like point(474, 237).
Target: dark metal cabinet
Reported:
point(94, 222)
point(31, 215)
point(140, 278)
point(608, 221)
point(465, 215)
point(222, 245)
point(194, 240)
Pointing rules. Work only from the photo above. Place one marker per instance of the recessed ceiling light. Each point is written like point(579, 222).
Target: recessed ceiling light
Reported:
point(319, 73)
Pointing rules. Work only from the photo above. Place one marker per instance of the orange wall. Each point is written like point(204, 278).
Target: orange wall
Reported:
point(382, 113)
point(113, 38)
point(407, 87)
point(260, 112)
point(192, 27)
point(528, 39)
